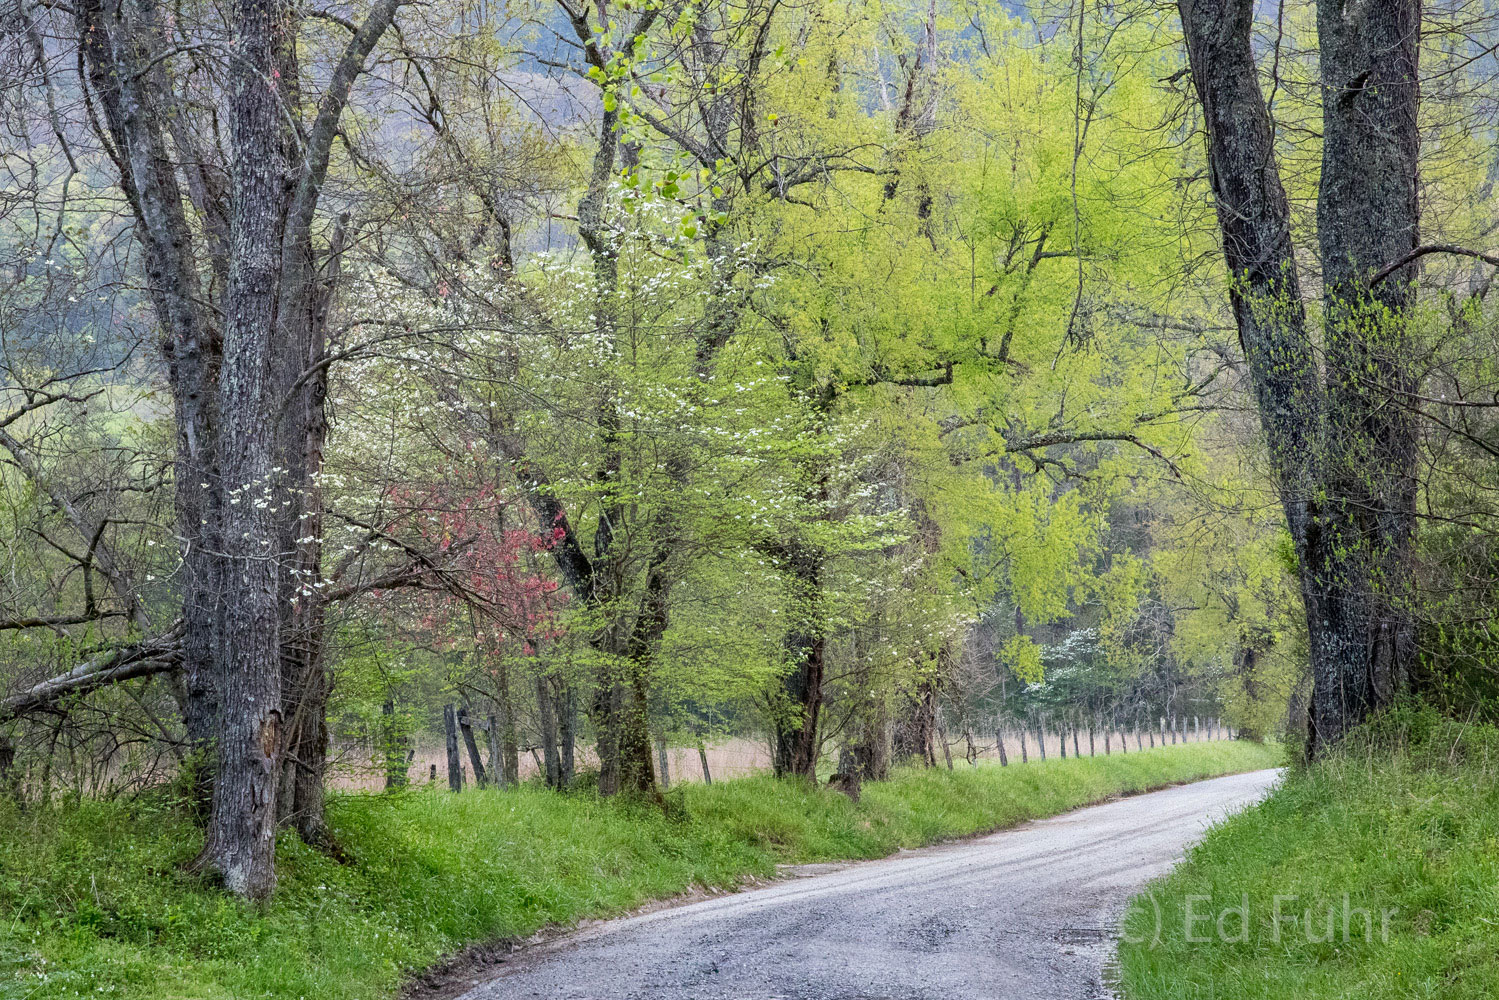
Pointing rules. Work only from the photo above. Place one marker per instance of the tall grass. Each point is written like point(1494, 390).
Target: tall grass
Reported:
point(95, 899)
point(1405, 819)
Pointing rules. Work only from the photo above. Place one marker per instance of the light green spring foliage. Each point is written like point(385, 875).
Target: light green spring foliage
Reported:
point(938, 247)
point(98, 902)
point(970, 263)
point(1241, 625)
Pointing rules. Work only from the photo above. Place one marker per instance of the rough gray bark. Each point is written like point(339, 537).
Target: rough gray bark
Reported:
point(237, 297)
point(299, 390)
point(619, 707)
point(1344, 452)
point(1367, 215)
point(121, 42)
point(301, 432)
point(241, 828)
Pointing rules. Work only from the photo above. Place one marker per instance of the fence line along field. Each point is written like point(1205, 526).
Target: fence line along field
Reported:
point(360, 766)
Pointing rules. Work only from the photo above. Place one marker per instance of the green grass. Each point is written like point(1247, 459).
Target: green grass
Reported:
point(94, 900)
point(1406, 819)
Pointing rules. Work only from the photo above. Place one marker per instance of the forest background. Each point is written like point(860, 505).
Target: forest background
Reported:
point(854, 379)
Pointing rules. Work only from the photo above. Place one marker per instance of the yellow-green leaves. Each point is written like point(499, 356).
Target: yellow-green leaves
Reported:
point(1023, 657)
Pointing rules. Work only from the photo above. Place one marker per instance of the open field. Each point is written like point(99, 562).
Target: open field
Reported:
point(732, 758)
point(741, 757)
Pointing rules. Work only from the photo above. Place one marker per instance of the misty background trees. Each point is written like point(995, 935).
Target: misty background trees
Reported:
point(857, 381)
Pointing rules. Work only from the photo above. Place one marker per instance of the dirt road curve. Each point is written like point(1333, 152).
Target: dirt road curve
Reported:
point(1019, 914)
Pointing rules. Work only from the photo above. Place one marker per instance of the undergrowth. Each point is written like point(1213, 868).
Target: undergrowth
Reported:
point(1402, 823)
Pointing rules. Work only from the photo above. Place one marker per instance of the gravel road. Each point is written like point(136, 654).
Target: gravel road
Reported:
point(1023, 913)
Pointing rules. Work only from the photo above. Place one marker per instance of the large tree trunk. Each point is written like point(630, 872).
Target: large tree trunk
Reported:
point(797, 734)
point(619, 713)
point(120, 44)
point(300, 391)
point(298, 405)
point(912, 736)
point(1344, 456)
point(240, 844)
point(869, 754)
point(1367, 217)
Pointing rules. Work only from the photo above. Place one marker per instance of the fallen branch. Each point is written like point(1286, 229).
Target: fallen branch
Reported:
point(145, 659)
point(12, 624)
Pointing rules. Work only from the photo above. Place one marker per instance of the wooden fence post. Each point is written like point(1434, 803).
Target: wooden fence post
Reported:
point(661, 761)
point(496, 757)
point(455, 765)
point(702, 755)
point(480, 778)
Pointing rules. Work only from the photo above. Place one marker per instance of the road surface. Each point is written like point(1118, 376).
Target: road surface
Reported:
point(1028, 912)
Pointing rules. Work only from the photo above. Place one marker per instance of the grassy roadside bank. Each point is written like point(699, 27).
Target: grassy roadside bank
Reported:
point(94, 900)
point(1406, 821)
